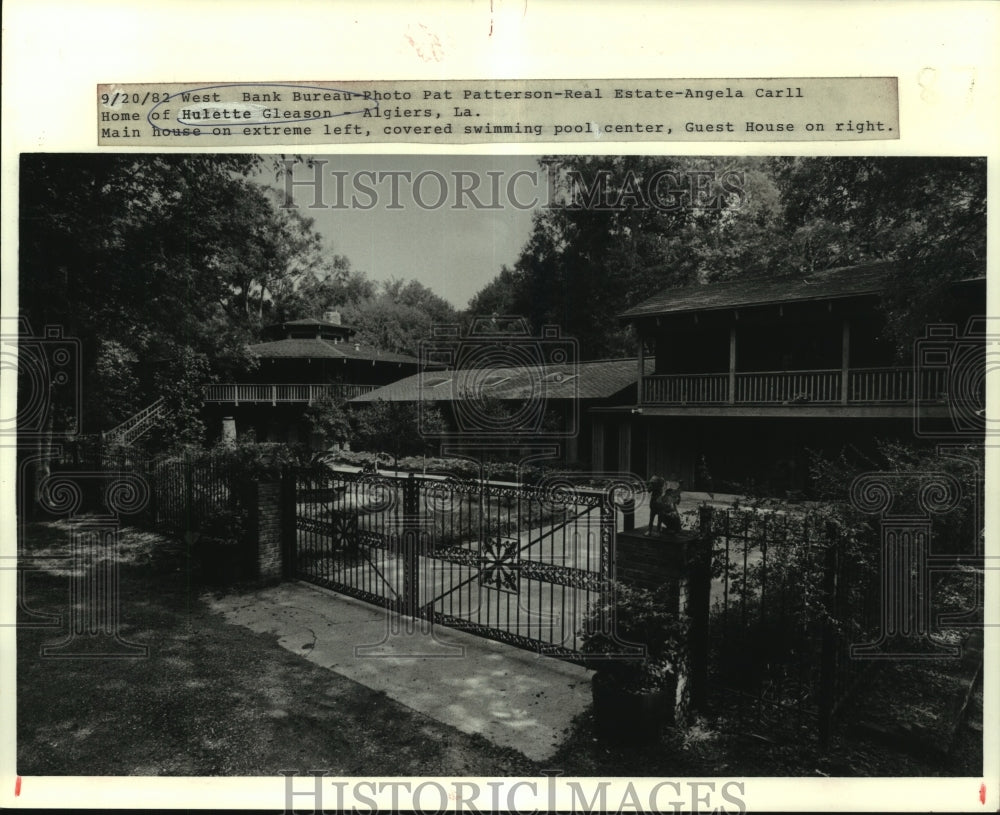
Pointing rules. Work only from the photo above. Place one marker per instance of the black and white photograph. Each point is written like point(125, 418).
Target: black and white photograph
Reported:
point(600, 465)
point(499, 406)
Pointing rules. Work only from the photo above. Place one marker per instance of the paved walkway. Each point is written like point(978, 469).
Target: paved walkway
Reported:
point(509, 696)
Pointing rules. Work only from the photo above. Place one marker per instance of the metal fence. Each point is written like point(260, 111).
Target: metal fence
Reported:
point(522, 564)
point(515, 563)
point(205, 497)
point(787, 602)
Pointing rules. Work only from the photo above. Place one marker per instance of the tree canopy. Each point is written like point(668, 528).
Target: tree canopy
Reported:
point(166, 266)
point(629, 226)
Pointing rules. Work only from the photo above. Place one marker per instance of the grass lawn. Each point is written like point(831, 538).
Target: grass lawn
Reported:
point(216, 699)
point(211, 698)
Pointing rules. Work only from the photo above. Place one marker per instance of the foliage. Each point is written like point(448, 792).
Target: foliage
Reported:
point(773, 555)
point(219, 482)
point(601, 248)
point(394, 315)
point(633, 616)
point(181, 381)
point(398, 428)
point(927, 213)
point(587, 260)
point(149, 260)
point(908, 470)
point(116, 382)
point(252, 459)
point(328, 417)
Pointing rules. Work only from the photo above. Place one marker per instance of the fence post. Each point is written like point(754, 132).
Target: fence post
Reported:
point(628, 515)
point(608, 543)
point(288, 526)
point(410, 540)
point(188, 494)
point(828, 657)
point(698, 588)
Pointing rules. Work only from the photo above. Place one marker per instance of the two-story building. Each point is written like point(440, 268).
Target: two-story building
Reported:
point(750, 375)
point(300, 361)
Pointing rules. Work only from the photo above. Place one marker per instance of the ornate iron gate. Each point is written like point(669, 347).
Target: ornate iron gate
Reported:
point(513, 563)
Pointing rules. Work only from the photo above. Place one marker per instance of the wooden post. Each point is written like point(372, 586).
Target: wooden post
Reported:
point(732, 363)
point(845, 358)
point(696, 604)
point(642, 366)
point(625, 446)
point(597, 445)
point(828, 655)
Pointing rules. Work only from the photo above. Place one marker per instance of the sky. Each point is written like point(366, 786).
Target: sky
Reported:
point(454, 247)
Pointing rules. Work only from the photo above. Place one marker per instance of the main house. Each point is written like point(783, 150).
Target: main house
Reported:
point(750, 375)
point(300, 362)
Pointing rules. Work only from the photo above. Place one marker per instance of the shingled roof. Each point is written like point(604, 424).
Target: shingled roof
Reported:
point(309, 321)
point(313, 348)
point(583, 380)
point(846, 281)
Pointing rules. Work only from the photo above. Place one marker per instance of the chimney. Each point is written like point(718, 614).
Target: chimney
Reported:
point(332, 317)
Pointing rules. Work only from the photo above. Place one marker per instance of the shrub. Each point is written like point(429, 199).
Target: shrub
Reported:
point(632, 616)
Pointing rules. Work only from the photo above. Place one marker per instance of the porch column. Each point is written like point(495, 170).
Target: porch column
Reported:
point(732, 363)
point(625, 446)
point(572, 449)
point(642, 365)
point(597, 445)
point(845, 358)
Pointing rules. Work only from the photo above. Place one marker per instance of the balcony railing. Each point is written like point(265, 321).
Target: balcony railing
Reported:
point(284, 394)
point(863, 386)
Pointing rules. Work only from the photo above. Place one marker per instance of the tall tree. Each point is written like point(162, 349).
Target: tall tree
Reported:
point(626, 227)
point(147, 260)
point(621, 228)
point(927, 213)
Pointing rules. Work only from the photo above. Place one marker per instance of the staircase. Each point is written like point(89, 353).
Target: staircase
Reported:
point(136, 426)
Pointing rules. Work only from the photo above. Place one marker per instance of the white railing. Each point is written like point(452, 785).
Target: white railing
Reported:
point(897, 385)
point(864, 386)
point(278, 393)
point(697, 389)
point(788, 387)
point(135, 426)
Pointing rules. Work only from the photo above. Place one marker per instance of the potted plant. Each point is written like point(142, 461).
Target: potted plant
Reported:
point(635, 642)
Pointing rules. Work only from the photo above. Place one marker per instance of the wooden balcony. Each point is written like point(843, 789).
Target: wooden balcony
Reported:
point(862, 386)
point(280, 394)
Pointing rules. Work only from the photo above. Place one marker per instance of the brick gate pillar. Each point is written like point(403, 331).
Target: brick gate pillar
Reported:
point(265, 530)
point(681, 562)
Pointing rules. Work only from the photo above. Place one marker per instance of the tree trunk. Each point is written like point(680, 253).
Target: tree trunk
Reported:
point(42, 468)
